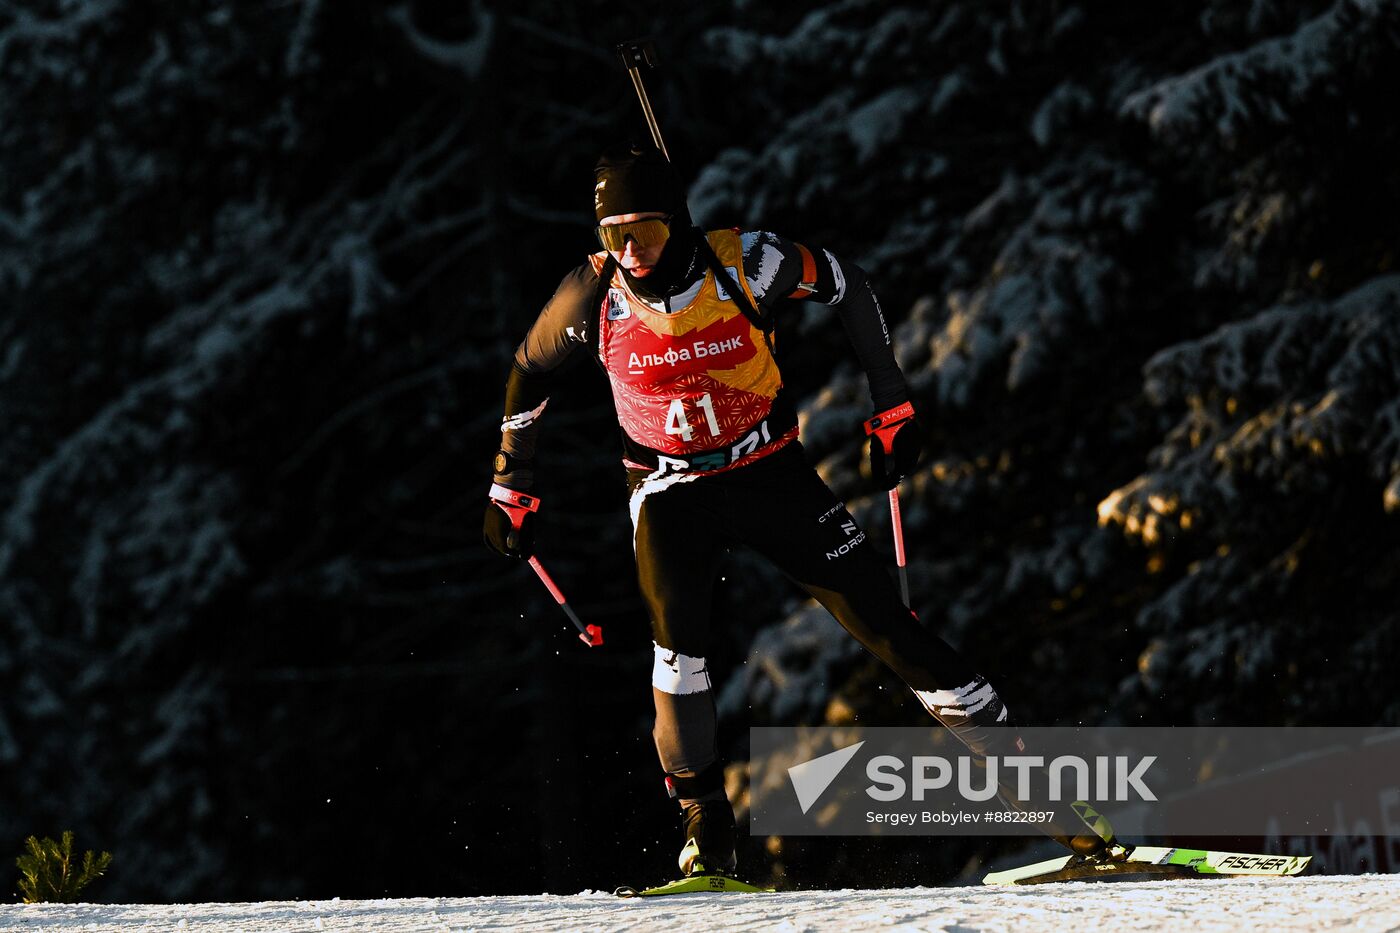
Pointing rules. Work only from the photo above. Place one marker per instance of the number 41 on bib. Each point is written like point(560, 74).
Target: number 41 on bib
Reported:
point(678, 423)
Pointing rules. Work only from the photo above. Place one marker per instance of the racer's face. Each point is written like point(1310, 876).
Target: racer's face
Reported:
point(637, 260)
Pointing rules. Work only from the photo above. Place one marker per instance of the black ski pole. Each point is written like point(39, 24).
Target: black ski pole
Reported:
point(590, 635)
point(634, 54)
point(883, 434)
point(516, 504)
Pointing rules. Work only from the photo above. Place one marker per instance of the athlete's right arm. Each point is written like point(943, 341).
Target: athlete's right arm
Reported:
point(565, 324)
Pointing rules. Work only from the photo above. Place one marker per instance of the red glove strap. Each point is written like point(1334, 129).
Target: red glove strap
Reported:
point(890, 418)
point(886, 423)
point(514, 504)
point(514, 498)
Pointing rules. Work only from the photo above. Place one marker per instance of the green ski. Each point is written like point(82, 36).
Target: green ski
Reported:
point(1154, 861)
point(695, 884)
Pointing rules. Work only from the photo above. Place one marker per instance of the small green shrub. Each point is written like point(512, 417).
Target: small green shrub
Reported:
point(49, 875)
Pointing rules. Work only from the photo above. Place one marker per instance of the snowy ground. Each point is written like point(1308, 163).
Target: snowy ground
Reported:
point(1368, 902)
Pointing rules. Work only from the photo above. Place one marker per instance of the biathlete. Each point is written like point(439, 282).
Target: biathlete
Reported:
point(679, 320)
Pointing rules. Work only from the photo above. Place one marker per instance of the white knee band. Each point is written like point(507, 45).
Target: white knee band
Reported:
point(960, 701)
point(677, 673)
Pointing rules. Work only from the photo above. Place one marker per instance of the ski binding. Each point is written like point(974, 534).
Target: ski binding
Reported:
point(695, 884)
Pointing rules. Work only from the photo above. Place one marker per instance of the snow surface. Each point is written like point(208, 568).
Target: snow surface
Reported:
point(1367, 902)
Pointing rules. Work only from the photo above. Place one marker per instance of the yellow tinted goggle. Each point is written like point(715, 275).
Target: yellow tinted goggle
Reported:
point(650, 232)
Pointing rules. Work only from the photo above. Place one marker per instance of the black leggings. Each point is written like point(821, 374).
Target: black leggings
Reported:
point(780, 508)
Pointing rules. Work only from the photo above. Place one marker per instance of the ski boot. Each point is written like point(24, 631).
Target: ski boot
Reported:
point(1093, 841)
point(1084, 831)
point(709, 838)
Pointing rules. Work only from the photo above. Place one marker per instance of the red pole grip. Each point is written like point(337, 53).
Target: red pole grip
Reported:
point(514, 503)
point(886, 423)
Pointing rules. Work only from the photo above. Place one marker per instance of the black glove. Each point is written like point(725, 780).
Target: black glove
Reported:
point(896, 445)
point(500, 533)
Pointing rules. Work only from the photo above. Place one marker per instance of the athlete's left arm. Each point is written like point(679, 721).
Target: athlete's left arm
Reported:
point(778, 268)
